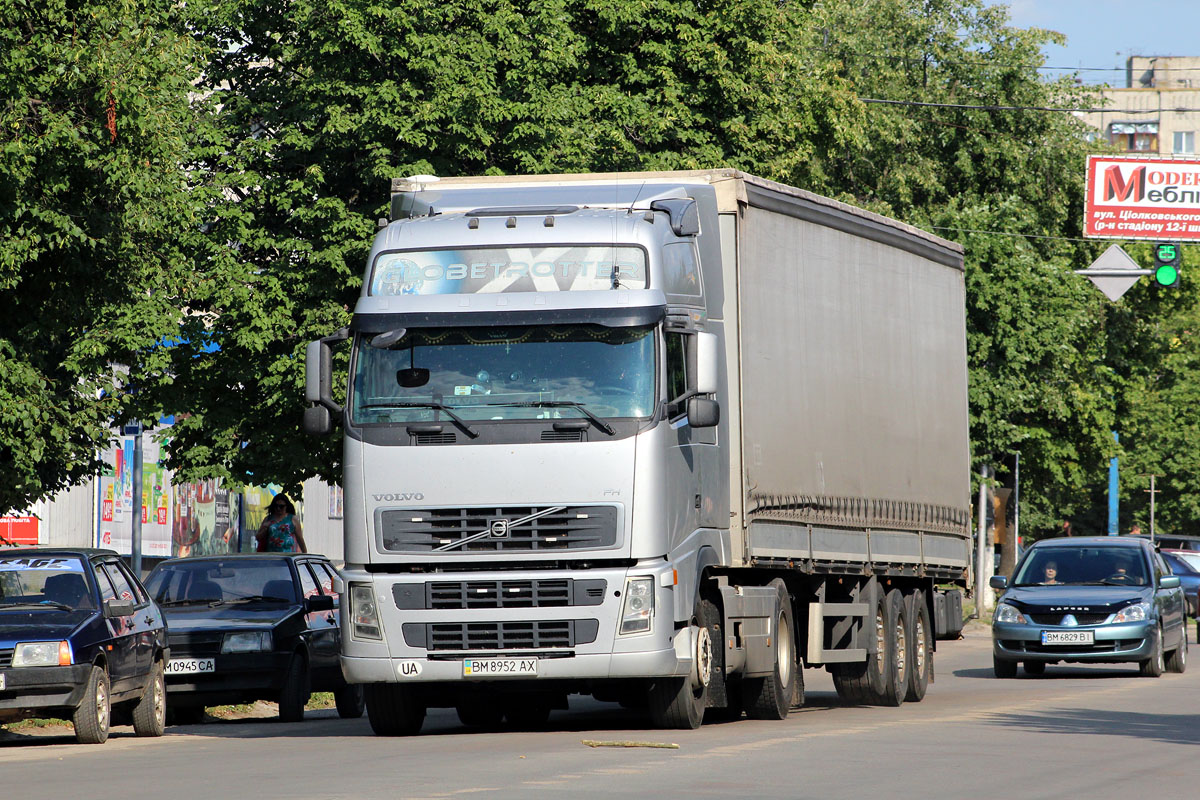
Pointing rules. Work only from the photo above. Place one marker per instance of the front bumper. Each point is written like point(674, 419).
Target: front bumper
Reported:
point(405, 655)
point(1132, 641)
point(238, 677)
point(29, 690)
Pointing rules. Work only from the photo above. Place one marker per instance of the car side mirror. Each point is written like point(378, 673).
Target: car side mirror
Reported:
point(318, 602)
point(703, 412)
point(998, 582)
point(1168, 582)
point(114, 607)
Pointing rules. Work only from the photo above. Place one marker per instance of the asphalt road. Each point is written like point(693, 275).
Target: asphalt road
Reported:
point(1096, 732)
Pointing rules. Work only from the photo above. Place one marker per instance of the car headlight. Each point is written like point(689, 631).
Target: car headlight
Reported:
point(42, 654)
point(247, 642)
point(637, 612)
point(1138, 612)
point(1009, 614)
point(364, 616)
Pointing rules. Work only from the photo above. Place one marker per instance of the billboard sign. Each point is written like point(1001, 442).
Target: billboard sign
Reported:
point(1142, 197)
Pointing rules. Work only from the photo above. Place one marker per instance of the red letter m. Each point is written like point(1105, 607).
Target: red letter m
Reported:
point(1116, 186)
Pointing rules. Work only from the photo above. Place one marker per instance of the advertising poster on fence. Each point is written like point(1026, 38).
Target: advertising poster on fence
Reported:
point(205, 519)
point(115, 529)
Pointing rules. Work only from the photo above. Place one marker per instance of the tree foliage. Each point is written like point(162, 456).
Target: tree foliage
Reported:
point(931, 111)
point(94, 131)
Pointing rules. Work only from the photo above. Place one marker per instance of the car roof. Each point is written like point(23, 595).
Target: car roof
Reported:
point(244, 556)
point(1092, 541)
point(42, 552)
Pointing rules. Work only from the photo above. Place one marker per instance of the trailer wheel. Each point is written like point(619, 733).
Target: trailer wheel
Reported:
point(921, 648)
point(771, 697)
point(864, 681)
point(393, 709)
point(897, 663)
point(680, 702)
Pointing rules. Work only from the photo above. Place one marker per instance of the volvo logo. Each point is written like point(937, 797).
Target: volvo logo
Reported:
point(498, 528)
point(398, 497)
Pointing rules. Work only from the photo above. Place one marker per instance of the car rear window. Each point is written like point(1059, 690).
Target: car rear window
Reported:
point(55, 582)
point(209, 581)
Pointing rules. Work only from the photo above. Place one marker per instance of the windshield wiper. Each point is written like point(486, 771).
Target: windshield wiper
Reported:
point(438, 406)
point(580, 407)
point(258, 598)
point(39, 605)
point(191, 602)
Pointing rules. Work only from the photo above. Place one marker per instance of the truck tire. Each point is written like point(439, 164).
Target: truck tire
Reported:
point(294, 694)
point(863, 682)
point(349, 701)
point(679, 703)
point(94, 713)
point(479, 712)
point(150, 714)
point(920, 647)
point(393, 709)
point(1177, 660)
point(897, 664)
point(770, 697)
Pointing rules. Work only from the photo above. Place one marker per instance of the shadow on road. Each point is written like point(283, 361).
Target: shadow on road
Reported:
point(1167, 728)
point(1052, 672)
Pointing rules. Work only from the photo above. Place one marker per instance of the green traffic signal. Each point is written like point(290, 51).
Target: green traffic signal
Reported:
point(1167, 257)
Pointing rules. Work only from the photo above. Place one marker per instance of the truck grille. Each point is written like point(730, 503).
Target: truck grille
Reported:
point(195, 644)
point(537, 593)
point(487, 636)
point(558, 528)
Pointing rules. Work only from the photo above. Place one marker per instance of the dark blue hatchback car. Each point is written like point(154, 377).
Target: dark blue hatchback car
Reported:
point(1090, 599)
point(80, 639)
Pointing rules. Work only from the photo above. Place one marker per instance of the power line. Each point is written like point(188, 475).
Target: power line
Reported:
point(1030, 108)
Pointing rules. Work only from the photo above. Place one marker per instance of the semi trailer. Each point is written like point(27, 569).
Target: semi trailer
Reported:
point(666, 439)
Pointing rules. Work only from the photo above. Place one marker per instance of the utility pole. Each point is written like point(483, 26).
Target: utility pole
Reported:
point(981, 552)
point(1152, 492)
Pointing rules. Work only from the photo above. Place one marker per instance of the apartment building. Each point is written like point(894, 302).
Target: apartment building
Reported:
point(1157, 112)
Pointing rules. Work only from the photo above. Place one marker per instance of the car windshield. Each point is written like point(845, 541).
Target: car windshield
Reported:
point(214, 582)
point(501, 373)
point(1083, 565)
point(50, 582)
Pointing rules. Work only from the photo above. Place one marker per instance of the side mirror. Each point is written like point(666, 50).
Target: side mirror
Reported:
point(114, 607)
point(317, 421)
point(1168, 582)
point(998, 582)
point(318, 372)
point(703, 412)
point(707, 345)
point(318, 602)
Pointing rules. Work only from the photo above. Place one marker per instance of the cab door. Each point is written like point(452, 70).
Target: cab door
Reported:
point(1172, 607)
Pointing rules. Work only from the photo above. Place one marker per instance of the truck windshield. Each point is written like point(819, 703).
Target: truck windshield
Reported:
point(504, 373)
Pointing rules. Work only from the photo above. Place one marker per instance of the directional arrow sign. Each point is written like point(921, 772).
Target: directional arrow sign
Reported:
point(1114, 272)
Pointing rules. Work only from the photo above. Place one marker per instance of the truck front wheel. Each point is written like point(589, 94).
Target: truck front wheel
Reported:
point(680, 702)
point(393, 709)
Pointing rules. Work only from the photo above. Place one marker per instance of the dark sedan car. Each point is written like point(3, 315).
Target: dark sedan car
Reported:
point(1090, 599)
point(251, 627)
point(80, 639)
point(1186, 564)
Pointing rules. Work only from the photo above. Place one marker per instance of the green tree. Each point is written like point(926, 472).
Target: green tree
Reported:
point(322, 104)
point(94, 132)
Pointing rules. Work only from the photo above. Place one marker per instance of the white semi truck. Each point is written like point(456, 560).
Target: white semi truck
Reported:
point(662, 438)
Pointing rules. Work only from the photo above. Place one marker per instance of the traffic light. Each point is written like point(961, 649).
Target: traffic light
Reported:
point(1167, 257)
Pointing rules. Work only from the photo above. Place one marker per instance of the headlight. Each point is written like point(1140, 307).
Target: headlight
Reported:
point(247, 642)
point(42, 654)
point(638, 610)
point(1009, 614)
point(1138, 612)
point(364, 616)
